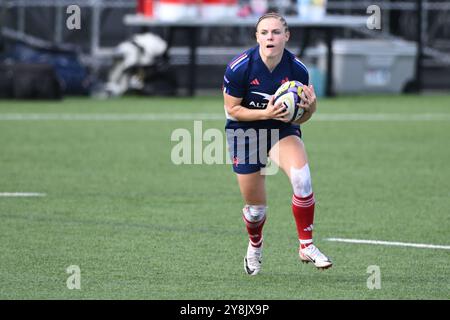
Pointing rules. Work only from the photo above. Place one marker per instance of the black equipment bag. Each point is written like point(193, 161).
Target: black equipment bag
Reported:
point(29, 81)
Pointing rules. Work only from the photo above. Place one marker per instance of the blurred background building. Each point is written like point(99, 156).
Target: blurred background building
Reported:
point(422, 27)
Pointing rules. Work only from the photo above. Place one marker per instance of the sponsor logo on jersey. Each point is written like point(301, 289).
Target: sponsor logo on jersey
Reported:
point(260, 105)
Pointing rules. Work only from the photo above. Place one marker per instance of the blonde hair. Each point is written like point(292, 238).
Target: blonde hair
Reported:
point(275, 16)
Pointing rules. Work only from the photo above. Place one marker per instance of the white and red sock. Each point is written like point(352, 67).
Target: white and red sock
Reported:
point(254, 230)
point(303, 210)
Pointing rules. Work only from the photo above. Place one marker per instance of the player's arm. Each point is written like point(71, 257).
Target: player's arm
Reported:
point(308, 103)
point(240, 113)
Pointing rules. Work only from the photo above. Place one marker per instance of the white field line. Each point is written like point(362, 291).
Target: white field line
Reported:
point(22, 194)
point(110, 116)
point(390, 243)
point(212, 116)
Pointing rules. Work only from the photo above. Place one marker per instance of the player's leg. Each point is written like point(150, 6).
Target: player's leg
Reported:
point(253, 192)
point(290, 155)
point(247, 164)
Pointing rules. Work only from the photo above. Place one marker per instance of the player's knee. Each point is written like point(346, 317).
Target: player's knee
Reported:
point(254, 213)
point(301, 181)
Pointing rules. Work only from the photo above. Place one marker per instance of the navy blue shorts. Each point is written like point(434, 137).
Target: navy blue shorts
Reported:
point(249, 146)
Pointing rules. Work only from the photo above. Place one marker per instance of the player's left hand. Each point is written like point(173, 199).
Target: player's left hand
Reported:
point(309, 100)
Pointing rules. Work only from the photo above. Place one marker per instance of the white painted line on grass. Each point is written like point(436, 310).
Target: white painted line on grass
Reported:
point(212, 116)
point(110, 116)
point(383, 117)
point(390, 243)
point(22, 194)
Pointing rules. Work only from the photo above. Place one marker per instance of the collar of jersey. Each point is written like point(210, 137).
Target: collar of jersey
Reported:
point(258, 59)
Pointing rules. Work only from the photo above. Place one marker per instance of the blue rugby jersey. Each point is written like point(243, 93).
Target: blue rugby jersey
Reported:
point(247, 77)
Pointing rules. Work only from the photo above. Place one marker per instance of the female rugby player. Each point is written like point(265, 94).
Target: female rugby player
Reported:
point(257, 128)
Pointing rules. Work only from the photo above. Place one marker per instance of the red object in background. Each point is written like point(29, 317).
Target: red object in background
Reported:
point(145, 7)
point(227, 2)
point(180, 2)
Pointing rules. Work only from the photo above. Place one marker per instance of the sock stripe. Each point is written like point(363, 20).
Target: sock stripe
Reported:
point(303, 203)
point(257, 244)
point(253, 224)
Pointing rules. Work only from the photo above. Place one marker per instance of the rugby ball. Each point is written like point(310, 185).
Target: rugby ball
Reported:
point(290, 94)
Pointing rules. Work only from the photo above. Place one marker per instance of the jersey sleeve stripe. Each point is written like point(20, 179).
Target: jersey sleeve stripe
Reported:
point(297, 61)
point(238, 61)
point(238, 58)
point(240, 64)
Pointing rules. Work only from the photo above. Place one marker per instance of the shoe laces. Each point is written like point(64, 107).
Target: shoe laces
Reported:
point(314, 252)
point(255, 256)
